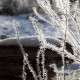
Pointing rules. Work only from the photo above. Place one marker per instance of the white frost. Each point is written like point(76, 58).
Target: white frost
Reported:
point(73, 66)
point(30, 41)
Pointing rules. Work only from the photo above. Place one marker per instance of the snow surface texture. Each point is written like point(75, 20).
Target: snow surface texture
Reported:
point(27, 41)
point(25, 27)
point(73, 66)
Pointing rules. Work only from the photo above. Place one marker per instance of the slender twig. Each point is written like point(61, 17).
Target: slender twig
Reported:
point(25, 56)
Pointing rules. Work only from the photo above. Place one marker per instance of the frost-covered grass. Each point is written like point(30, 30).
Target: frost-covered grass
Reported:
point(64, 25)
point(67, 34)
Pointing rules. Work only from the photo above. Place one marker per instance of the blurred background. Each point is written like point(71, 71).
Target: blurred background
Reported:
point(12, 7)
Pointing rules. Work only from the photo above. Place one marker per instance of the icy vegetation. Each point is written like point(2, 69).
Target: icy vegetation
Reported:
point(63, 24)
point(55, 20)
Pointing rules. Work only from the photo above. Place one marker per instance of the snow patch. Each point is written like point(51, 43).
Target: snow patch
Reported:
point(73, 66)
point(29, 41)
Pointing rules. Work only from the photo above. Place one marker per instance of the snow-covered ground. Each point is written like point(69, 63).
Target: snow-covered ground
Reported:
point(73, 66)
point(29, 41)
point(25, 26)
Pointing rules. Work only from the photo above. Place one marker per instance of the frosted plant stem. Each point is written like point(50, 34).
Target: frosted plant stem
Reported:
point(61, 6)
point(75, 20)
point(22, 50)
point(74, 17)
point(41, 51)
point(43, 62)
point(57, 75)
point(25, 56)
point(42, 48)
point(38, 67)
point(63, 56)
point(77, 4)
point(77, 25)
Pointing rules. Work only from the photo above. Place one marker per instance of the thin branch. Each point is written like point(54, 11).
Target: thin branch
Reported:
point(25, 55)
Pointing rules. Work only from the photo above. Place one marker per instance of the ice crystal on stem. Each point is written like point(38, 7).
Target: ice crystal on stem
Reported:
point(25, 56)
